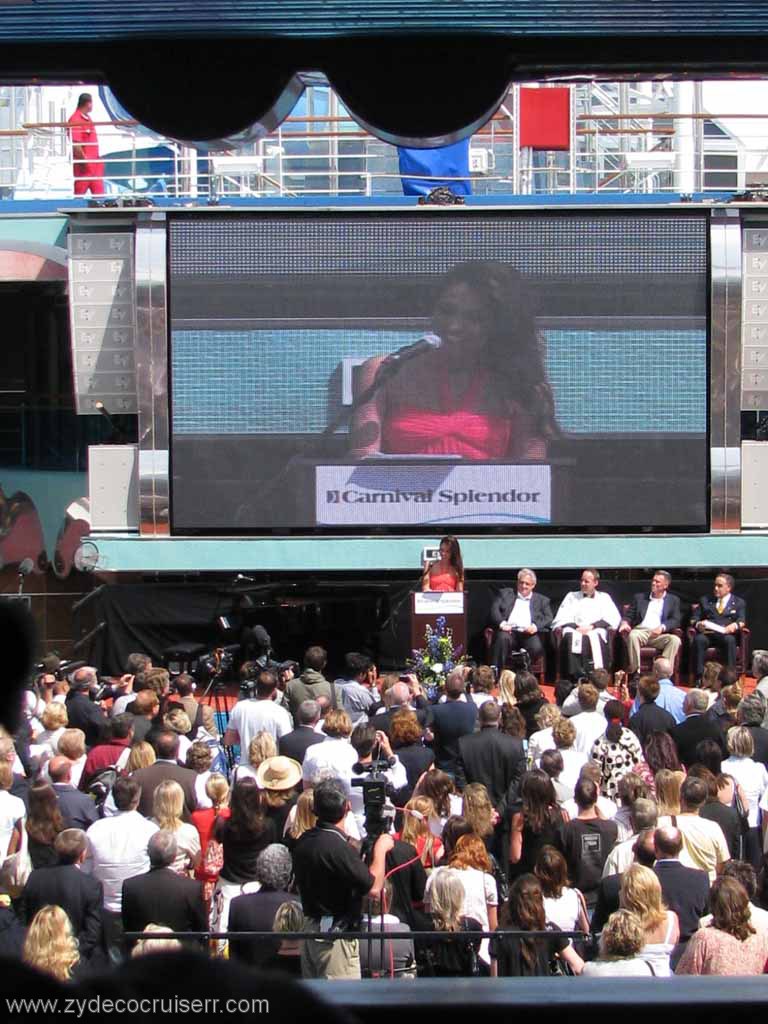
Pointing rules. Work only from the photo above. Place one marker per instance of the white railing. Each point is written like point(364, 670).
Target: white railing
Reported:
point(612, 153)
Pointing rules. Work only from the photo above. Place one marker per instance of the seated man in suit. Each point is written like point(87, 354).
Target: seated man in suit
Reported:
point(519, 617)
point(726, 610)
point(585, 615)
point(650, 622)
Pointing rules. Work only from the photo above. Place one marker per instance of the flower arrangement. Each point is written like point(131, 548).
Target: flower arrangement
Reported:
point(436, 658)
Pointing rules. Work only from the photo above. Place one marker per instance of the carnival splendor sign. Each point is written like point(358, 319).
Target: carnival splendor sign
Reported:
point(399, 494)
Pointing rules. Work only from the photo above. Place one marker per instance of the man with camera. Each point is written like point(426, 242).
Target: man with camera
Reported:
point(332, 880)
point(257, 711)
point(82, 710)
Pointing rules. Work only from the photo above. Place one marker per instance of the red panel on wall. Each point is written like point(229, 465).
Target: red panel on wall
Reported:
point(545, 116)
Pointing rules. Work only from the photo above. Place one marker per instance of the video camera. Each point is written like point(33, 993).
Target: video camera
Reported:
point(377, 794)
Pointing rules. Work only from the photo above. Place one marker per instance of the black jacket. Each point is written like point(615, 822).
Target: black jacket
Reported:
point(12, 934)
point(84, 714)
point(77, 809)
point(493, 758)
point(255, 912)
point(161, 896)
point(607, 902)
point(150, 778)
point(735, 611)
point(686, 891)
point(649, 718)
point(671, 615)
point(451, 721)
point(760, 739)
point(541, 610)
point(295, 744)
point(81, 896)
point(690, 732)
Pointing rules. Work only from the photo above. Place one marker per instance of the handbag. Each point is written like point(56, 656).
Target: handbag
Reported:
point(16, 870)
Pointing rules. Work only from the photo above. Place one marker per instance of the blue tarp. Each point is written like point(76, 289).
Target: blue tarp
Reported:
point(442, 163)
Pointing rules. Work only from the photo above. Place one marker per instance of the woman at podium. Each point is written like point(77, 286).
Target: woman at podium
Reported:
point(447, 573)
point(479, 392)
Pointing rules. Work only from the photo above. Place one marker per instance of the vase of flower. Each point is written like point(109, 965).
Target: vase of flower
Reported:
point(433, 662)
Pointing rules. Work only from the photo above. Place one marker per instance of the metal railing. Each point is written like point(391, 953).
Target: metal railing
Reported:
point(324, 156)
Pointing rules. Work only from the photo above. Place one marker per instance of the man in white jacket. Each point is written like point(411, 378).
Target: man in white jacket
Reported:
point(585, 616)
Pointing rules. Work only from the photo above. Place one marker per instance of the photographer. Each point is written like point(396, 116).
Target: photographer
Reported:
point(374, 753)
point(332, 881)
point(82, 712)
point(257, 712)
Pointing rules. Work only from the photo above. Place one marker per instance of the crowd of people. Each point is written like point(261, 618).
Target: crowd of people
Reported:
point(603, 833)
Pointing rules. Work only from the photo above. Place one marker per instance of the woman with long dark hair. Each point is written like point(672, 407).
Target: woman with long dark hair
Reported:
point(539, 822)
point(513, 957)
point(482, 394)
point(530, 700)
point(44, 822)
point(447, 573)
point(730, 945)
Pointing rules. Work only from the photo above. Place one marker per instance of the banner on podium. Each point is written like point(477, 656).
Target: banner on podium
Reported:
point(441, 602)
point(418, 494)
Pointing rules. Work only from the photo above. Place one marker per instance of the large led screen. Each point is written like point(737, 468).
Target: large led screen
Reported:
point(368, 369)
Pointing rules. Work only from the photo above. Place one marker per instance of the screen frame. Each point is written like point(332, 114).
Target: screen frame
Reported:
point(474, 530)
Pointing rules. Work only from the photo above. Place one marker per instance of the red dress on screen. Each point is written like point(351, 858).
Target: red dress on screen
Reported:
point(466, 427)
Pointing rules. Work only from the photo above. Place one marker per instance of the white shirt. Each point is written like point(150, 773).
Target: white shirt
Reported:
point(539, 742)
point(117, 849)
point(201, 797)
point(520, 616)
point(754, 781)
point(621, 858)
point(586, 611)
point(563, 911)
point(652, 617)
point(572, 707)
point(121, 703)
point(333, 756)
point(589, 726)
point(573, 762)
point(396, 776)
point(50, 738)
point(12, 809)
point(250, 717)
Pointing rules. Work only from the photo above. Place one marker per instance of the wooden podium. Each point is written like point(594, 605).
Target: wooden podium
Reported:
point(427, 607)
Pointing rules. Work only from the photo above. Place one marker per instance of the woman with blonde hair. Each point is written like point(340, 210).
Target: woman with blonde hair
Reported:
point(54, 720)
point(301, 819)
point(750, 775)
point(167, 809)
point(641, 893)
point(142, 755)
point(416, 831)
point(177, 720)
point(621, 941)
point(448, 958)
point(261, 747)
point(667, 784)
point(50, 945)
point(478, 810)
point(542, 740)
point(157, 939)
point(204, 819)
point(72, 746)
point(507, 687)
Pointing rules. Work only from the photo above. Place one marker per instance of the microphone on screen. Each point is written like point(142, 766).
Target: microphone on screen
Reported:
point(424, 344)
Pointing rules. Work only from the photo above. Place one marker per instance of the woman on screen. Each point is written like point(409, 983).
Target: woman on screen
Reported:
point(481, 395)
point(447, 573)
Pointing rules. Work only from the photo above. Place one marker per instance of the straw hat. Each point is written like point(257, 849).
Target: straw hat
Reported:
point(278, 773)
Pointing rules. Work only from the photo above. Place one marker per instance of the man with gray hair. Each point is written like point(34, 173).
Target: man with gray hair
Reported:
point(296, 743)
point(751, 714)
point(82, 712)
point(161, 896)
point(644, 816)
point(697, 726)
point(255, 911)
point(651, 621)
point(520, 616)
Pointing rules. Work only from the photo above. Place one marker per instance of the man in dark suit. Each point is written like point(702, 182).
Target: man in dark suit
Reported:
point(166, 767)
point(685, 890)
point(296, 743)
point(80, 895)
point(490, 756)
point(649, 717)
point(162, 896)
point(650, 622)
point(519, 616)
point(450, 721)
point(724, 609)
point(82, 712)
point(697, 726)
point(77, 809)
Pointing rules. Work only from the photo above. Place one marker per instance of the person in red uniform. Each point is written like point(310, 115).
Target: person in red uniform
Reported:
point(86, 166)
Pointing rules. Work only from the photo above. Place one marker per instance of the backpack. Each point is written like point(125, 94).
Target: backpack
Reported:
point(219, 762)
point(100, 785)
